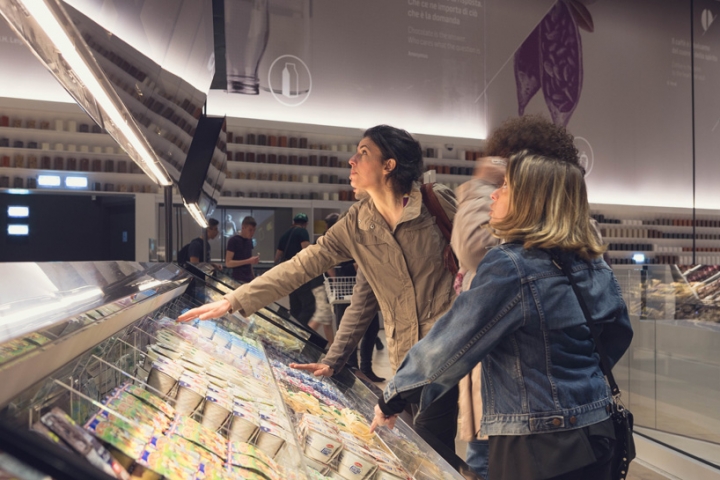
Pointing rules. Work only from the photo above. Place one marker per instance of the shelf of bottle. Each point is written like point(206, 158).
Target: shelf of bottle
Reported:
point(282, 186)
point(57, 136)
point(283, 202)
point(452, 162)
point(131, 81)
point(300, 152)
point(234, 166)
point(674, 228)
point(39, 152)
point(658, 240)
point(139, 178)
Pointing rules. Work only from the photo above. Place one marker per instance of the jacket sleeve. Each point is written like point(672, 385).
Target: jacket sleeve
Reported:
point(330, 249)
point(476, 323)
point(363, 307)
point(617, 335)
point(471, 236)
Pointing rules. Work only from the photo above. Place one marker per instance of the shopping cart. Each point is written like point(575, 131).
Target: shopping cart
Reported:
point(339, 289)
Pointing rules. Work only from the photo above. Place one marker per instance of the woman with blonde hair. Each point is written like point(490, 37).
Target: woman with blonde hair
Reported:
point(546, 403)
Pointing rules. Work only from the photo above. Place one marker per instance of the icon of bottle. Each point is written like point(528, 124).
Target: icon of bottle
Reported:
point(247, 29)
point(290, 81)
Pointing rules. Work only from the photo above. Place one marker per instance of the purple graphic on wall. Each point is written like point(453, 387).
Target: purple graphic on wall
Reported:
point(551, 59)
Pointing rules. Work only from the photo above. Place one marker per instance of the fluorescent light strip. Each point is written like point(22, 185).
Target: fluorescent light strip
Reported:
point(18, 191)
point(197, 215)
point(46, 19)
point(15, 211)
point(18, 230)
point(48, 180)
point(76, 182)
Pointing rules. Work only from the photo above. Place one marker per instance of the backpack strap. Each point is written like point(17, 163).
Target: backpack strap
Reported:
point(443, 222)
point(436, 210)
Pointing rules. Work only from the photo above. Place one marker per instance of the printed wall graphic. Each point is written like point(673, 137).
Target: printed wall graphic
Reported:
point(551, 59)
point(416, 64)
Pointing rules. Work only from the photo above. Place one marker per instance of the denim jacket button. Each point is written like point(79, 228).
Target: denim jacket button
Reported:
point(556, 422)
point(573, 420)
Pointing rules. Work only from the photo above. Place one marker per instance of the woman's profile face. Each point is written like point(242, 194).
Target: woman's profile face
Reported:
point(501, 203)
point(366, 166)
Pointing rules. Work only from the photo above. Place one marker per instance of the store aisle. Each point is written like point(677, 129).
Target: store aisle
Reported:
point(381, 367)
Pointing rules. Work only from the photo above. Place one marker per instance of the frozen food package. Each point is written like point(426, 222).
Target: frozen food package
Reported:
point(82, 442)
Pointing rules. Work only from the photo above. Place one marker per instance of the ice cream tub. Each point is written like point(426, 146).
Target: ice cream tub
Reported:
point(163, 377)
point(167, 350)
point(215, 412)
point(321, 446)
point(270, 439)
point(244, 424)
point(355, 463)
point(188, 397)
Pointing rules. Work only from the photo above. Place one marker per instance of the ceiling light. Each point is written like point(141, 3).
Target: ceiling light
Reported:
point(14, 211)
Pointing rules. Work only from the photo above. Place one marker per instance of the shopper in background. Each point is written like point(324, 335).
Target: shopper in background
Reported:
point(297, 238)
point(193, 251)
point(369, 338)
point(471, 239)
point(546, 402)
point(323, 316)
point(238, 255)
point(399, 250)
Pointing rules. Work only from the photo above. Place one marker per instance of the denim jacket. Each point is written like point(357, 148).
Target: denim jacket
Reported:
point(522, 319)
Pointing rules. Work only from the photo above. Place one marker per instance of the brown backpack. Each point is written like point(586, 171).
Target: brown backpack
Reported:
point(432, 203)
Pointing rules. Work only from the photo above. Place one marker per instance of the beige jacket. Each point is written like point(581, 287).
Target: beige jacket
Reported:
point(470, 240)
point(403, 267)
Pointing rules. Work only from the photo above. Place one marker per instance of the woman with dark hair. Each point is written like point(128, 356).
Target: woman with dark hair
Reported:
point(398, 247)
point(546, 403)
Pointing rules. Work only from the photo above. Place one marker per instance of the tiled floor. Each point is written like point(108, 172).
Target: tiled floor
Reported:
point(381, 367)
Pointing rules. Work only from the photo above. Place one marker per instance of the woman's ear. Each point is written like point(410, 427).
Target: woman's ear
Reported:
point(389, 165)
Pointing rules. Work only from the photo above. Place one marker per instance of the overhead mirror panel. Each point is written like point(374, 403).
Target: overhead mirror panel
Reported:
point(204, 172)
point(140, 69)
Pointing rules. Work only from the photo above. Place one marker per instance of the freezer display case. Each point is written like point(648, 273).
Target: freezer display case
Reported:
point(100, 381)
point(274, 314)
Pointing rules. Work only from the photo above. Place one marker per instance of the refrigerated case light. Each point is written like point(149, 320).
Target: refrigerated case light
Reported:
point(76, 182)
point(638, 258)
point(47, 20)
point(18, 229)
point(16, 211)
point(18, 191)
point(48, 180)
point(197, 215)
point(58, 305)
point(148, 285)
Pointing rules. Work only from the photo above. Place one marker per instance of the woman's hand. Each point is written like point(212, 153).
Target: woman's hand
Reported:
point(491, 169)
point(207, 311)
point(318, 369)
point(382, 420)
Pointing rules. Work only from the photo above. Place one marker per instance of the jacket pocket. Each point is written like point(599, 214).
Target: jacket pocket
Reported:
point(422, 240)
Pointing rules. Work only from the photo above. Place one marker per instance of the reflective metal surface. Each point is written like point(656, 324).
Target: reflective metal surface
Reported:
point(35, 297)
point(140, 69)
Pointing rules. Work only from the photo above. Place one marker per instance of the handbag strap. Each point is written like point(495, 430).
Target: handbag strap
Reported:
point(604, 362)
point(436, 210)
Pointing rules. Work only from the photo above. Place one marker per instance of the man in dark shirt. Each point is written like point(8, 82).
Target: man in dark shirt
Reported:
point(302, 300)
point(193, 251)
point(239, 252)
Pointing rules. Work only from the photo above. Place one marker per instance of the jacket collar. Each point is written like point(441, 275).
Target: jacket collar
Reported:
point(368, 214)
